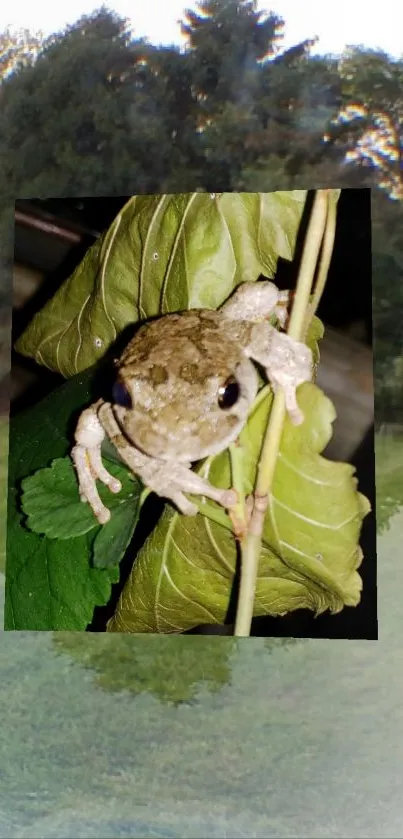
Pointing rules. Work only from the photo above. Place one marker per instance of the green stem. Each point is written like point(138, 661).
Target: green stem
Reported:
point(145, 493)
point(236, 454)
point(251, 545)
point(250, 555)
point(325, 260)
point(214, 513)
point(308, 265)
point(238, 513)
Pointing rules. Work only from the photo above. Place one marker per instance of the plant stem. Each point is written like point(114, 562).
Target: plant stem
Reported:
point(324, 263)
point(214, 513)
point(145, 493)
point(238, 513)
point(251, 544)
point(313, 242)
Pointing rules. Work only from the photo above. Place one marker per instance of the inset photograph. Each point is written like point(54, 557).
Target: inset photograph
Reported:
point(192, 416)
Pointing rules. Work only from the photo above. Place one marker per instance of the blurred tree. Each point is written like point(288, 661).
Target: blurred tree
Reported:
point(387, 249)
point(261, 111)
point(227, 39)
point(18, 49)
point(171, 93)
point(155, 664)
point(299, 95)
point(87, 117)
point(227, 43)
point(370, 122)
point(94, 111)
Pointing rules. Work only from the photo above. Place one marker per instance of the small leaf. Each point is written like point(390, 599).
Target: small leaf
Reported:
point(389, 483)
point(52, 504)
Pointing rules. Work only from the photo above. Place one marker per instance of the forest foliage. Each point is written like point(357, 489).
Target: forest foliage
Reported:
point(95, 110)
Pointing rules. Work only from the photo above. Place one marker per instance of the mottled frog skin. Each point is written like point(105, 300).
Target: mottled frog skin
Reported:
point(184, 387)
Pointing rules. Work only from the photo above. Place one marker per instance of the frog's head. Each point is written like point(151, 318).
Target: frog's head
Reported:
point(184, 416)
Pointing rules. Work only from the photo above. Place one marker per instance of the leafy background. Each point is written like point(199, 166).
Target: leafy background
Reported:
point(209, 242)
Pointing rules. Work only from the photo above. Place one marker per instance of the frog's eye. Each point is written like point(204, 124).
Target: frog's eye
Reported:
point(229, 393)
point(121, 395)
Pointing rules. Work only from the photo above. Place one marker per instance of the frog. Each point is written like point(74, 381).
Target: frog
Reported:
point(183, 389)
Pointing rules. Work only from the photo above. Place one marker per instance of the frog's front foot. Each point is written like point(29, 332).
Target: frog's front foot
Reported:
point(86, 456)
point(289, 367)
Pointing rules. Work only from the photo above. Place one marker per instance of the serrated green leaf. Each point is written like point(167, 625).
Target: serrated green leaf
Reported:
point(183, 574)
point(3, 489)
point(52, 505)
point(51, 501)
point(50, 583)
point(161, 254)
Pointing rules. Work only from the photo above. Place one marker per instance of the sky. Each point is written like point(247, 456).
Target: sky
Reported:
point(337, 24)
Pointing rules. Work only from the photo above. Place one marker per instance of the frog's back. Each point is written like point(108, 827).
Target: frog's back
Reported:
point(195, 335)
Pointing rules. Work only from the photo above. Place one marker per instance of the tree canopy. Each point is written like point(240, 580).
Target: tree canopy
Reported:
point(95, 110)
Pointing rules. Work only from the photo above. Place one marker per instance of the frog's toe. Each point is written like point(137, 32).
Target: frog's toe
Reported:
point(186, 507)
point(89, 495)
point(103, 515)
point(293, 409)
point(229, 498)
point(102, 474)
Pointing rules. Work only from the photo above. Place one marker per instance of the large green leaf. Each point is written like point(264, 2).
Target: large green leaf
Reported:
point(161, 254)
point(50, 583)
point(183, 574)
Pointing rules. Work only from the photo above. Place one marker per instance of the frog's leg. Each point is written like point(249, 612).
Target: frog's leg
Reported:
point(255, 301)
point(86, 456)
point(288, 363)
point(188, 481)
point(168, 479)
